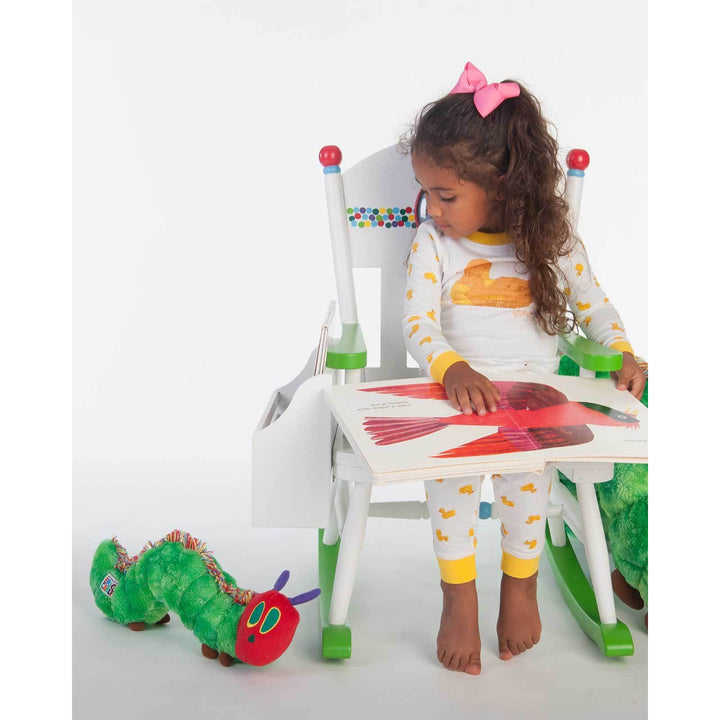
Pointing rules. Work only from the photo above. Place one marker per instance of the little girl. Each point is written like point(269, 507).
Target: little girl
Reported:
point(491, 277)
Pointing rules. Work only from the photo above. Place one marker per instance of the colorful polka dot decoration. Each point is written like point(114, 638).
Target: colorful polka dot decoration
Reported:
point(388, 217)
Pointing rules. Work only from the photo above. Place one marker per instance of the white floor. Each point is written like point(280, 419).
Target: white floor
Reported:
point(160, 673)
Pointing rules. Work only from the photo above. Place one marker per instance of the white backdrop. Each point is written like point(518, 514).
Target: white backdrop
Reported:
point(201, 256)
point(201, 271)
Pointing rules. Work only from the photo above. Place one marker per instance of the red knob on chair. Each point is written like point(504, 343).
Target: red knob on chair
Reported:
point(578, 159)
point(330, 155)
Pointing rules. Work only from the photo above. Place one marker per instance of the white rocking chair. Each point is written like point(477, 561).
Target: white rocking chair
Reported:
point(304, 472)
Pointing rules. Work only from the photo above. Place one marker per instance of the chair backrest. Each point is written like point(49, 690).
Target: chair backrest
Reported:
point(380, 195)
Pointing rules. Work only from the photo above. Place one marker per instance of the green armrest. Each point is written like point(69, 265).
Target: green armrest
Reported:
point(348, 352)
point(590, 355)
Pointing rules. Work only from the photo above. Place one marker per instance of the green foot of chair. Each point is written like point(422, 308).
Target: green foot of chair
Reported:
point(613, 640)
point(336, 639)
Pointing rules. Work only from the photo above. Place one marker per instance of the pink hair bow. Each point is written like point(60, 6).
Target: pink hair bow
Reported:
point(487, 97)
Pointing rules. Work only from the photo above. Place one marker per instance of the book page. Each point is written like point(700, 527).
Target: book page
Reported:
point(407, 429)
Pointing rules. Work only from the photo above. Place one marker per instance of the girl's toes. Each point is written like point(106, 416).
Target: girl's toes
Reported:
point(504, 651)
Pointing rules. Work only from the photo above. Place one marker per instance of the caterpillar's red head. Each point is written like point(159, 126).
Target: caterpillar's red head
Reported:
point(266, 628)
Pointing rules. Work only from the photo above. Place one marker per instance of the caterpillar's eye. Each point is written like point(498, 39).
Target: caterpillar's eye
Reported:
point(257, 613)
point(272, 619)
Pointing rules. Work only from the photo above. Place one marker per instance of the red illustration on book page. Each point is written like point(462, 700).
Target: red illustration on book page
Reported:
point(408, 430)
point(529, 416)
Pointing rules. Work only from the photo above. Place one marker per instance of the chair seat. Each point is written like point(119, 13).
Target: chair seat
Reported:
point(347, 465)
point(587, 472)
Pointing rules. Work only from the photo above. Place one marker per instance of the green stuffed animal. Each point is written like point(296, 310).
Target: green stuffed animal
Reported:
point(623, 505)
point(179, 573)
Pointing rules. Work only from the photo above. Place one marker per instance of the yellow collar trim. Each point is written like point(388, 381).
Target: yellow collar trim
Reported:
point(484, 238)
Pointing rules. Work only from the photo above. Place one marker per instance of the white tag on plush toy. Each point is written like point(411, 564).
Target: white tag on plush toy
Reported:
point(108, 585)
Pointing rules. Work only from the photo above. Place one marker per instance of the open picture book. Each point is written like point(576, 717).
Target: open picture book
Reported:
point(408, 430)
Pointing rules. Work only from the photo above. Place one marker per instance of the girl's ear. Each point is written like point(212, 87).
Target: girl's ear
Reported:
point(498, 194)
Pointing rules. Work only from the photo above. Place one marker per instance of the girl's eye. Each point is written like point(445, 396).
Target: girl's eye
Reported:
point(447, 199)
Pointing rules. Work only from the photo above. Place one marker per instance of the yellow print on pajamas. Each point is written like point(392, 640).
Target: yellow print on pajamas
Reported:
point(521, 509)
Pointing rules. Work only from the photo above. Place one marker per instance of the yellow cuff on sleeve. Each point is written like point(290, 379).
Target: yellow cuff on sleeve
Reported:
point(458, 571)
point(518, 568)
point(623, 346)
point(442, 362)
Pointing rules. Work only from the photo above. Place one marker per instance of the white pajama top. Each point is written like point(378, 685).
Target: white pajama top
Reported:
point(469, 299)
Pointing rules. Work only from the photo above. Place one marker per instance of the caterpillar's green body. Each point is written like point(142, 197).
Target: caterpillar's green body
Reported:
point(178, 574)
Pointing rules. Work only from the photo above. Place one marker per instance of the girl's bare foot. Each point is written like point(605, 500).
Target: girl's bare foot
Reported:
point(458, 640)
point(518, 625)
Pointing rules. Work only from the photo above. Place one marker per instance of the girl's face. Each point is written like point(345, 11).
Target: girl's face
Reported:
point(458, 207)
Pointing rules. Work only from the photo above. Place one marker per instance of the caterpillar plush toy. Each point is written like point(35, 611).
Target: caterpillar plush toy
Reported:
point(178, 573)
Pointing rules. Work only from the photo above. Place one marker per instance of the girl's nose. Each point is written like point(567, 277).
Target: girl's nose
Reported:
point(432, 209)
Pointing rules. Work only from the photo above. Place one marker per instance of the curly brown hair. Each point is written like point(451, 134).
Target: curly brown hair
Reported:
point(512, 156)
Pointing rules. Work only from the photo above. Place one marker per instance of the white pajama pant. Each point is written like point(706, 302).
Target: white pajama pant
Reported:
point(522, 499)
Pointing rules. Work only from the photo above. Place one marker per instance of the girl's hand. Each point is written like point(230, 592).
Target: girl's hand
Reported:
point(466, 388)
point(630, 377)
